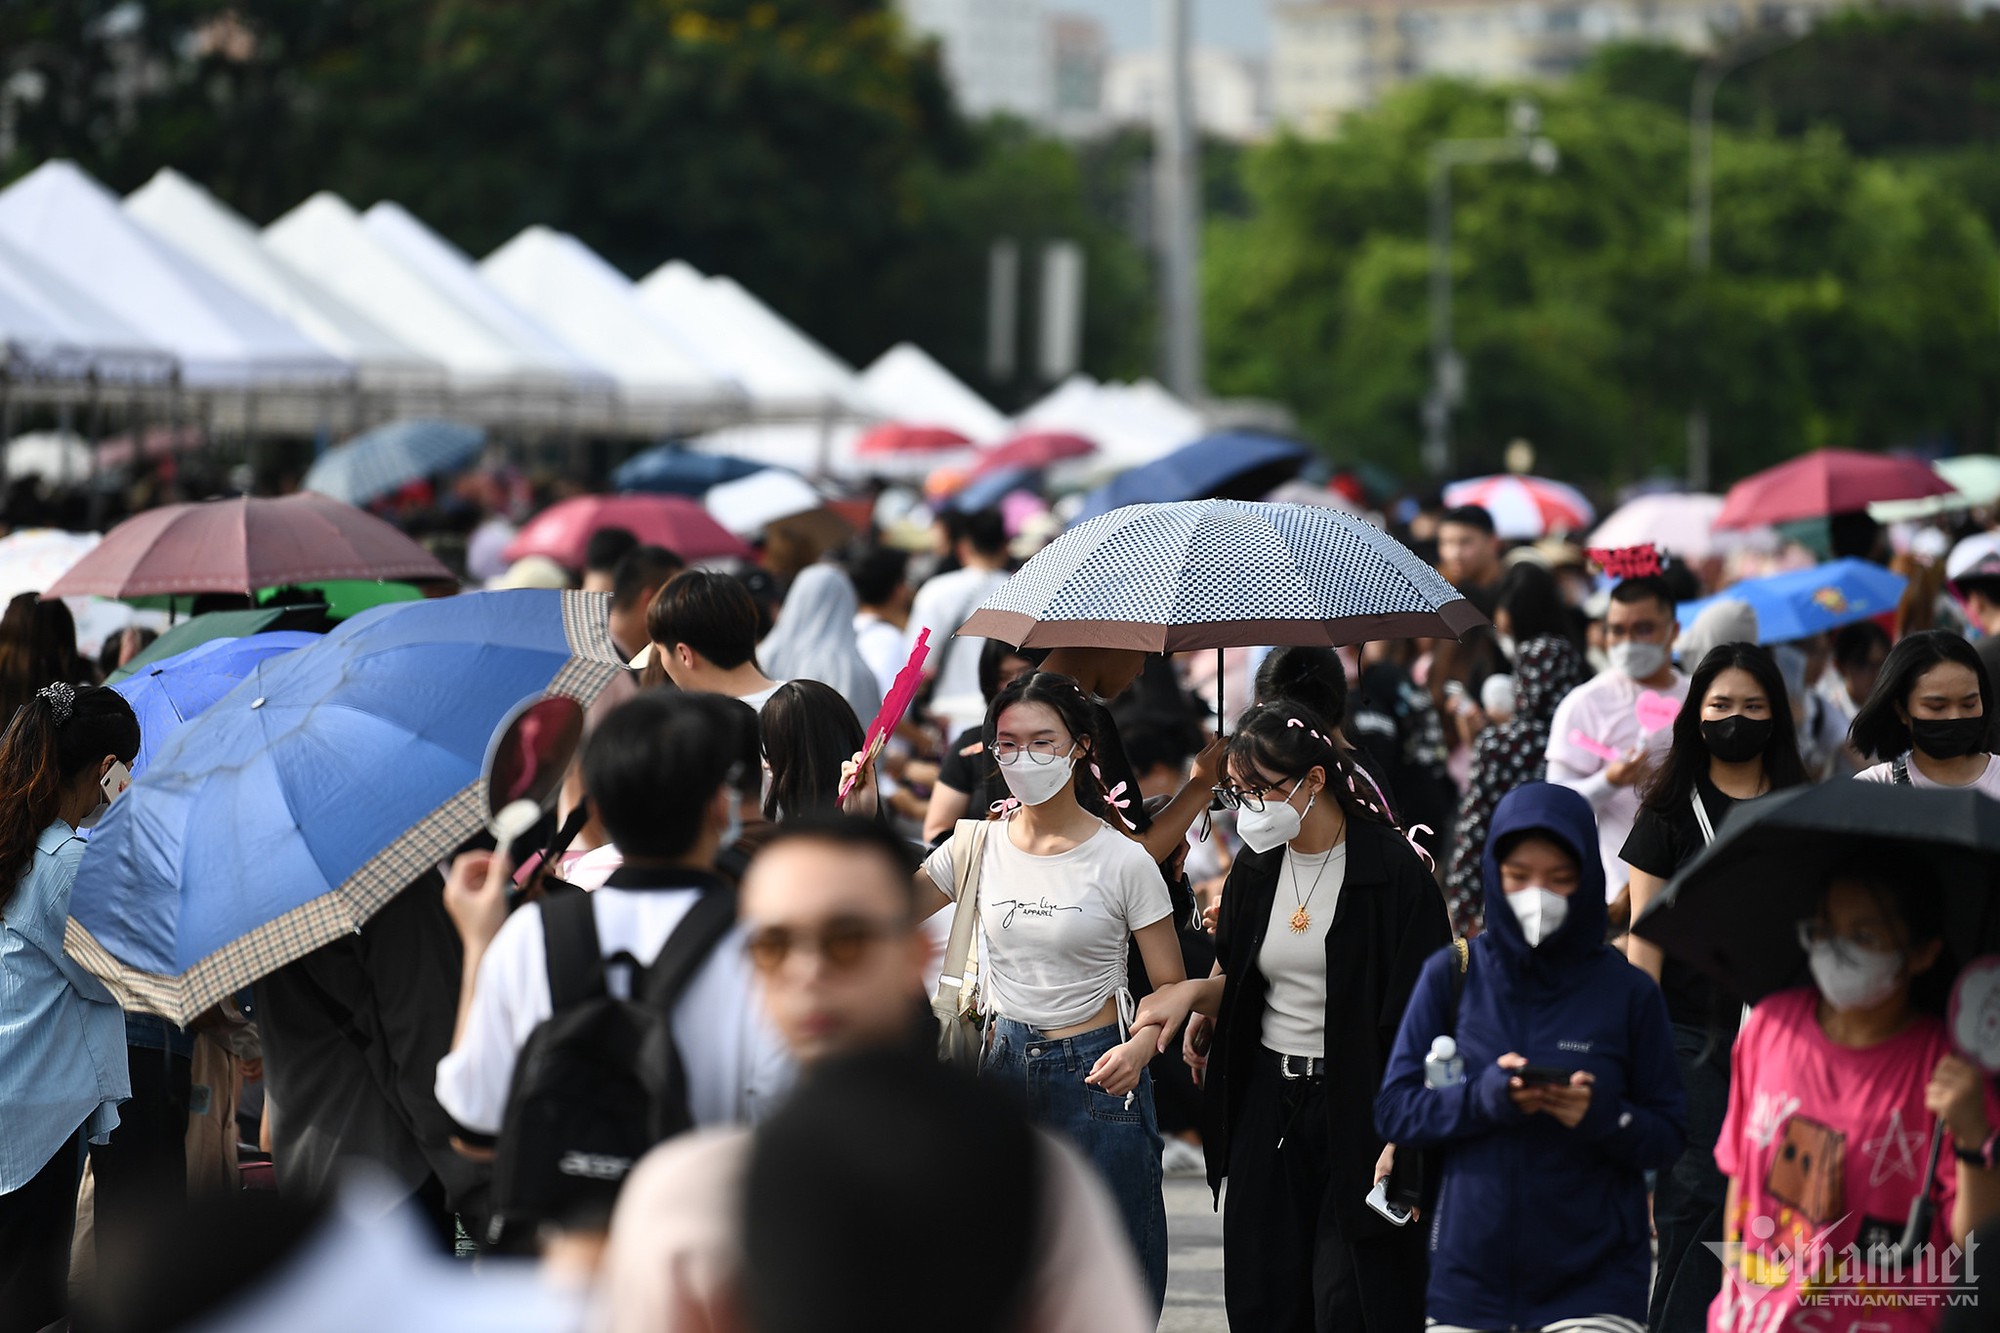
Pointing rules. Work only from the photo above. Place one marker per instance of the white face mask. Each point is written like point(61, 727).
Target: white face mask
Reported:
point(1273, 826)
point(1640, 661)
point(1032, 783)
point(1541, 913)
point(1852, 978)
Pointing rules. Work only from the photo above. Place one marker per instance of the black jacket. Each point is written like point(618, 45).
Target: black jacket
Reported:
point(1390, 918)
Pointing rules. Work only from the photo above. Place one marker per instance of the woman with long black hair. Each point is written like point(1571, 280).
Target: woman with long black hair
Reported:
point(63, 1066)
point(810, 733)
point(1733, 742)
point(1931, 721)
point(1061, 892)
point(1326, 921)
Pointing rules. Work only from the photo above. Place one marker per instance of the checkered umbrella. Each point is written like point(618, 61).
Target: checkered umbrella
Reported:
point(1220, 574)
point(388, 458)
point(297, 805)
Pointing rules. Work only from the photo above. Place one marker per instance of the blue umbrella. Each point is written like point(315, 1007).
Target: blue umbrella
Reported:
point(306, 798)
point(1806, 602)
point(1232, 465)
point(987, 491)
point(388, 458)
point(672, 469)
point(172, 691)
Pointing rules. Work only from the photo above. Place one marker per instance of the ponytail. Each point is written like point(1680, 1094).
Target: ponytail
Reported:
point(58, 733)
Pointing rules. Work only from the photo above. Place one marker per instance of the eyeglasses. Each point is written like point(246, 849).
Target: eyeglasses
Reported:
point(1038, 752)
point(1250, 798)
point(843, 942)
point(1814, 932)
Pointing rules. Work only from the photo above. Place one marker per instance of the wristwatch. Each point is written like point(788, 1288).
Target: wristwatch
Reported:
point(1982, 1156)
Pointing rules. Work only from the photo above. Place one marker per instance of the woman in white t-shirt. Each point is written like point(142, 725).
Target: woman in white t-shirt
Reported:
point(1931, 717)
point(1061, 893)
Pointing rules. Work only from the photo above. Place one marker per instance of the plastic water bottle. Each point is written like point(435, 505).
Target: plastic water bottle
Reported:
point(1443, 1068)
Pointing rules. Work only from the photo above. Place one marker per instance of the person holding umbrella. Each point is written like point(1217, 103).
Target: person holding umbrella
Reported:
point(1732, 743)
point(63, 1068)
point(1833, 1091)
point(1544, 1071)
point(1326, 920)
point(1930, 721)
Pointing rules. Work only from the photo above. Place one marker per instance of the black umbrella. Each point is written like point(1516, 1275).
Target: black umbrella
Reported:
point(1734, 911)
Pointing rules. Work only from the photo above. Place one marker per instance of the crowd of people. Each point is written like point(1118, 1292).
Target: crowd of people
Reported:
point(1359, 952)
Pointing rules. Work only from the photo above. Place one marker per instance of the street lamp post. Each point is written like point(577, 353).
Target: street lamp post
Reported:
point(1447, 369)
point(1701, 205)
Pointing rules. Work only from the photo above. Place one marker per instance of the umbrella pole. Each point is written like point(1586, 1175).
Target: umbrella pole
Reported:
point(1221, 713)
point(1922, 1208)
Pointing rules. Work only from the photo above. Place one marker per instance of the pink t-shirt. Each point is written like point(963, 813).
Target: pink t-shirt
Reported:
point(1988, 782)
point(1827, 1145)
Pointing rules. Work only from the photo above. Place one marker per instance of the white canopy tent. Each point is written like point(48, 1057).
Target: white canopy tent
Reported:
point(52, 328)
point(780, 368)
point(190, 219)
point(574, 291)
point(907, 384)
point(222, 338)
point(324, 238)
point(1131, 423)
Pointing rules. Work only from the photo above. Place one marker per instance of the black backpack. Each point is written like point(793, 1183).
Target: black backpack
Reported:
point(600, 1082)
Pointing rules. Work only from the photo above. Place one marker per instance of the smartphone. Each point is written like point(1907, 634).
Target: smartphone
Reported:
point(1544, 1076)
point(1378, 1199)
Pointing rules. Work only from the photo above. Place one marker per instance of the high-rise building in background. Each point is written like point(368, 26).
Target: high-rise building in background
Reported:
point(1079, 56)
point(1329, 57)
point(1231, 91)
point(998, 54)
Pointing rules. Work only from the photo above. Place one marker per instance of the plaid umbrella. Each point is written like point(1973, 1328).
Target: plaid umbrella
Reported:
point(388, 458)
point(1220, 574)
point(297, 805)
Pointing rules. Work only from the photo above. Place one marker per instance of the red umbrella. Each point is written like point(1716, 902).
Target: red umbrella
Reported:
point(896, 438)
point(561, 531)
point(244, 544)
point(1826, 481)
point(1035, 450)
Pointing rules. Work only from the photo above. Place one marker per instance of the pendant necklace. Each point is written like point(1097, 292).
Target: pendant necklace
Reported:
point(1302, 919)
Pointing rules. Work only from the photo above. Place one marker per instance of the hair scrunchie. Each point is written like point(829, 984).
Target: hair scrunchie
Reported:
point(61, 698)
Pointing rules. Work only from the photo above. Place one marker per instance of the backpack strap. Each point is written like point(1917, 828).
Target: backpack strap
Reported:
point(575, 960)
point(1899, 771)
point(693, 940)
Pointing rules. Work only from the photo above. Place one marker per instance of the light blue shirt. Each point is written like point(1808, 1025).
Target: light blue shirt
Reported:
point(62, 1036)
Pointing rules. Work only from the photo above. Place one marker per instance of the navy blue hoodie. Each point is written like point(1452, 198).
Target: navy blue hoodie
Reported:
point(1535, 1222)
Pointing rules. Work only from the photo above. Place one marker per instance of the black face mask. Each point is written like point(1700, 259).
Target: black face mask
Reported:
point(1736, 739)
point(1948, 738)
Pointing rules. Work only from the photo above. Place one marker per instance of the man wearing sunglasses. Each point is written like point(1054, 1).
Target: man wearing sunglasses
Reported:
point(830, 927)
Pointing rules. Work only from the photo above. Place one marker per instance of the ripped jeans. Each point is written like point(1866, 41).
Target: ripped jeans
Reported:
point(1123, 1144)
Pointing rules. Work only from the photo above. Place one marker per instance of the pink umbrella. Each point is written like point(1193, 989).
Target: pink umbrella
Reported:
point(562, 531)
point(1824, 482)
point(1524, 508)
point(896, 438)
point(1033, 451)
point(244, 544)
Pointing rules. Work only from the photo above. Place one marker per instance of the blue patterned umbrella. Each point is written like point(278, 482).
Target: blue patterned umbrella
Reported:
point(306, 798)
point(1803, 602)
point(388, 458)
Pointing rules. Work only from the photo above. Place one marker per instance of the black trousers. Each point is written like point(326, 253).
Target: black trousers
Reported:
point(1286, 1267)
point(1689, 1197)
point(140, 1176)
point(36, 1223)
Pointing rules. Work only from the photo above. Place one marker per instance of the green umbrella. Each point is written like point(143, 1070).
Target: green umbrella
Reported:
point(350, 597)
point(219, 625)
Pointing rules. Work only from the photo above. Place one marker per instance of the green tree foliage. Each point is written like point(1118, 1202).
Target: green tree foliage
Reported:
point(1851, 300)
point(807, 148)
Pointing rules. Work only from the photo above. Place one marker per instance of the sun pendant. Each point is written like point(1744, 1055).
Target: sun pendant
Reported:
point(1301, 919)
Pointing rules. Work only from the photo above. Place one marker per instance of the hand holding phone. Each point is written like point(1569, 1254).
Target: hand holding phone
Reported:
point(1378, 1199)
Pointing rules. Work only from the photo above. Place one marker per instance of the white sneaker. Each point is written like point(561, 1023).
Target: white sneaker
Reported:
point(1182, 1158)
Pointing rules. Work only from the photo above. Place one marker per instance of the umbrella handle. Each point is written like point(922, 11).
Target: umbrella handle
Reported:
point(1221, 713)
point(1922, 1208)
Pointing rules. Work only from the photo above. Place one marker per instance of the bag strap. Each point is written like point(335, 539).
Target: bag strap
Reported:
point(968, 854)
point(1461, 952)
point(1899, 771)
point(575, 959)
point(693, 940)
point(1701, 817)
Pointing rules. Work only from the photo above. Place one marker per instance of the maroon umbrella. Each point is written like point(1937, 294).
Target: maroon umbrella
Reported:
point(1824, 482)
point(1034, 451)
point(244, 544)
point(562, 531)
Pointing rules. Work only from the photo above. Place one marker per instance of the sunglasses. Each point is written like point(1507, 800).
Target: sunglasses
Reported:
point(843, 942)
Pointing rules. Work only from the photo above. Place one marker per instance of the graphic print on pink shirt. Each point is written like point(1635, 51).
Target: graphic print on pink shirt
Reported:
point(1827, 1147)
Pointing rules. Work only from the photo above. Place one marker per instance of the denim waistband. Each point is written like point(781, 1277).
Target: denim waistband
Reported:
point(1084, 1047)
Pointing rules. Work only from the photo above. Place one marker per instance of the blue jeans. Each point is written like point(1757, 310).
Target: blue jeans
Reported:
point(1123, 1144)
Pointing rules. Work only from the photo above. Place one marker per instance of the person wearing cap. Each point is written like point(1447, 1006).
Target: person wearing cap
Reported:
point(1973, 571)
